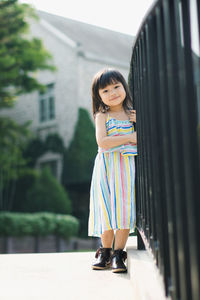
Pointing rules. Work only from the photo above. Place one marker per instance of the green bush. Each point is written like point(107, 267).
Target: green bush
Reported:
point(23, 185)
point(66, 226)
point(38, 224)
point(37, 147)
point(42, 223)
point(79, 157)
point(47, 194)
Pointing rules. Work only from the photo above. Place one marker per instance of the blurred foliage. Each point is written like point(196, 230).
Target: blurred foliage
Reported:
point(66, 226)
point(37, 147)
point(79, 157)
point(80, 195)
point(13, 140)
point(23, 185)
point(37, 224)
point(47, 194)
point(85, 150)
point(20, 55)
point(78, 167)
point(54, 143)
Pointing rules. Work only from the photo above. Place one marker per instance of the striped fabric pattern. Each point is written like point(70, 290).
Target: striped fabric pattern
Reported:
point(114, 128)
point(112, 192)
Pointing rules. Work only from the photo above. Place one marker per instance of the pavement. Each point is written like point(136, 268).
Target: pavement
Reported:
point(69, 276)
point(59, 276)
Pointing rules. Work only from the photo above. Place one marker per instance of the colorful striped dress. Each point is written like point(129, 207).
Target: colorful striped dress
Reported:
point(112, 191)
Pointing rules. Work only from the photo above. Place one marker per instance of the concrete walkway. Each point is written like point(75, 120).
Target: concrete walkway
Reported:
point(69, 276)
point(59, 276)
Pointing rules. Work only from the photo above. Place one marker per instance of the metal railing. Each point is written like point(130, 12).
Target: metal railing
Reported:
point(164, 80)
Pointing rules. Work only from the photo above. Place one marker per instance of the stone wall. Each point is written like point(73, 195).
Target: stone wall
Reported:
point(47, 244)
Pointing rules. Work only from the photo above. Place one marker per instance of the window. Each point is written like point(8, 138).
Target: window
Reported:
point(47, 104)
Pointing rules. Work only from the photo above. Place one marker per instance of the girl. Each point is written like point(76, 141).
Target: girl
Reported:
point(112, 198)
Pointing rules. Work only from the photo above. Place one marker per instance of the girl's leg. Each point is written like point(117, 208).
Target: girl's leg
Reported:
point(104, 254)
point(107, 238)
point(121, 237)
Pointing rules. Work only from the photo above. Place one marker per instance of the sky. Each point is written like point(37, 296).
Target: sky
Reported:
point(119, 15)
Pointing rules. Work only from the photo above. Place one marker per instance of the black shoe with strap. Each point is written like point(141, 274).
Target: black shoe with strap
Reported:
point(118, 258)
point(103, 259)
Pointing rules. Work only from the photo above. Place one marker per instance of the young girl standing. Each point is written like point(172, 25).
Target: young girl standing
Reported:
point(112, 193)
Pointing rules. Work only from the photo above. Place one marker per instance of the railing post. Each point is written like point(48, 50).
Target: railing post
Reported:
point(165, 85)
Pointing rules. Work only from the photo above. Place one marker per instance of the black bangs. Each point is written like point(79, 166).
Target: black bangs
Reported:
point(109, 77)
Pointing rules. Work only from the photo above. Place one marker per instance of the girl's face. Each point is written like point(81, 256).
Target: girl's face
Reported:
point(113, 94)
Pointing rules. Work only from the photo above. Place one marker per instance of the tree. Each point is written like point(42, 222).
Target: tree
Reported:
point(47, 194)
point(20, 57)
point(78, 166)
point(13, 139)
point(79, 157)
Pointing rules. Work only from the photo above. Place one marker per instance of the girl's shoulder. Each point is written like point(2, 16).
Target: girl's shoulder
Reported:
point(100, 116)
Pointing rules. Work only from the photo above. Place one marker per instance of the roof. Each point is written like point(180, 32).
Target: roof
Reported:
point(103, 43)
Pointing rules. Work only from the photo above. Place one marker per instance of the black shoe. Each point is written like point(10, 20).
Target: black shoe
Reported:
point(103, 259)
point(118, 258)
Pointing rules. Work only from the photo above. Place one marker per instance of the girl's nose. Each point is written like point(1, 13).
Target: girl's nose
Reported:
point(113, 91)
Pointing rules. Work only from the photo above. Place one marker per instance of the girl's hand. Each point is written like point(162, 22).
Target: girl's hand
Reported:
point(132, 116)
point(133, 137)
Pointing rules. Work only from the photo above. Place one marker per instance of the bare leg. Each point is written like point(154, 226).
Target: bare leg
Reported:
point(107, 238)
point(121, 238)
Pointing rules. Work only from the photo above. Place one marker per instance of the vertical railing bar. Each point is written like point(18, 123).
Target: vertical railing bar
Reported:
point(142, 89)
point(177, 154)
point(190, 149)
point(163, 82)
point(159, 195)
point(144, 215)
point(139, 135)
point(167, 207)
point(150, 134)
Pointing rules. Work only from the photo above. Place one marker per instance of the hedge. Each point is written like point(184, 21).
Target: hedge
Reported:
point(38, 224)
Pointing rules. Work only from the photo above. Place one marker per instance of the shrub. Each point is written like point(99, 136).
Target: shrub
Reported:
point(47, 194)
point(66, 226)
point(79, 157)
point(38, 224)
point(23, 185)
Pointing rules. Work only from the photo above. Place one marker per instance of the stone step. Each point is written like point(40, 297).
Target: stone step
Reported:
point(145, 278)
point(59, 276)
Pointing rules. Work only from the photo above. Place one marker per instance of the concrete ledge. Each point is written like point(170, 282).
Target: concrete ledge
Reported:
point(145, 277)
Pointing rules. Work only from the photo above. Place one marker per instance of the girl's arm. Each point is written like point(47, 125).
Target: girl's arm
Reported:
point(107, 142)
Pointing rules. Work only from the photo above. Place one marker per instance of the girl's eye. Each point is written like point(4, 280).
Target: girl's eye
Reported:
point(105, 91)
point(116, 86)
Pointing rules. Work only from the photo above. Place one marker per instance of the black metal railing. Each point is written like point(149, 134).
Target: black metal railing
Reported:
point(165, 83)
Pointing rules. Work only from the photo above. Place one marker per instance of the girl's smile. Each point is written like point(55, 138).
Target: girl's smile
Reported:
point(113, 94)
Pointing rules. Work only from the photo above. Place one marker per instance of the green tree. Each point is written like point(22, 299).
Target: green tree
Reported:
point(13, 139)
point(79, 157)
point(34, 149)
point(78, 166)
point(20, 55)
point(47, 194)
point(20, 58)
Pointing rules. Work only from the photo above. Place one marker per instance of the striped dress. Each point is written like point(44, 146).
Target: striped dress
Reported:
point(112, 191)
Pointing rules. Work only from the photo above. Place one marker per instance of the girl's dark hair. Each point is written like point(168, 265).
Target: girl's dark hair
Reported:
point(100, 81)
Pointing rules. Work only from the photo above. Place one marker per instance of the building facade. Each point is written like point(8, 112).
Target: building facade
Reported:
point(79, 50)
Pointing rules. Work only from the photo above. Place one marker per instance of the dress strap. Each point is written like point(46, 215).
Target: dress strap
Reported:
point(107, 116)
